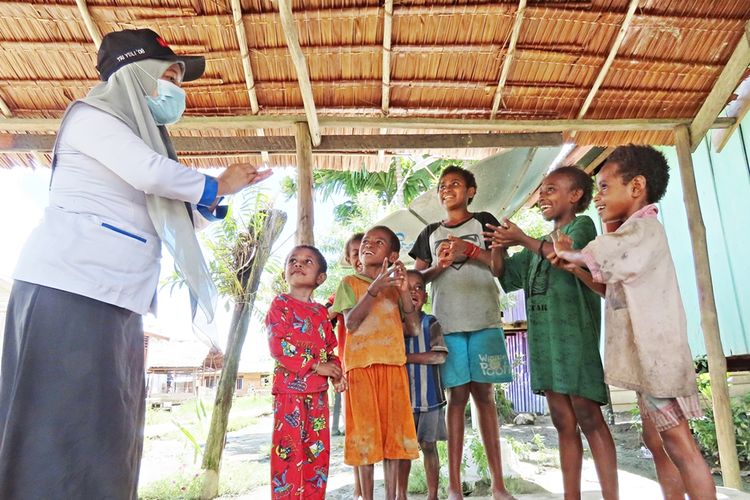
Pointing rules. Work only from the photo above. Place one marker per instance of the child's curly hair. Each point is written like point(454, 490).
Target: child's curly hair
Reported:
point(468, 177)
point(321, 260)
point(578, 180)
point(633, 160)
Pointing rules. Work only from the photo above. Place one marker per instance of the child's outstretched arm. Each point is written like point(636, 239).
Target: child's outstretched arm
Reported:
point(437, 353)
point(357, 314)
point(411, 320)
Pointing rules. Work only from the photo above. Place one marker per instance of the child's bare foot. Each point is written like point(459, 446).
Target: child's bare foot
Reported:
point(502, 495)
point(455, 495)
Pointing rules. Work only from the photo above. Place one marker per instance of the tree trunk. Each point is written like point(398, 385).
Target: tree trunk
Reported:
point(243, 308)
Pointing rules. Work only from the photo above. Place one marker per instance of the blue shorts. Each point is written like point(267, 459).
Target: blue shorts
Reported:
point(477, 356)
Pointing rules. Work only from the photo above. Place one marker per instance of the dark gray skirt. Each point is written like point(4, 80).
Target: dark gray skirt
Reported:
point(71, 397)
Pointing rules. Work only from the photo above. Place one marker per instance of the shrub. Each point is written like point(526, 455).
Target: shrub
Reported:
point(704, 429)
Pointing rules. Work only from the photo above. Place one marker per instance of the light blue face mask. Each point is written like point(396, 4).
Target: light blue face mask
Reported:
point(169, 104)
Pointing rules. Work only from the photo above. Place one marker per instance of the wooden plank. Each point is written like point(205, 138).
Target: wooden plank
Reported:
point(93, 30)
point(610, 58)
point(717, 364)
point(725, 85)
point(737, 109)
point(329, 143)
point(300, 65)
point(239, 122)
point(305, 209)
point(508, 60)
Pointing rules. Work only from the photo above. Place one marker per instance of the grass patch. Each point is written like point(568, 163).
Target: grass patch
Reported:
point(179, 487)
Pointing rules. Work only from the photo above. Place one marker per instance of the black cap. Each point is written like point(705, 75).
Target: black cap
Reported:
point(120, 48)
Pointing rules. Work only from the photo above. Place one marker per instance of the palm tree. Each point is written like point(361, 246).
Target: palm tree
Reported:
point(406, 179)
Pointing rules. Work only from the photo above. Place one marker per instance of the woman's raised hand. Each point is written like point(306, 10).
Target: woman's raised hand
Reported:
point(238, 176)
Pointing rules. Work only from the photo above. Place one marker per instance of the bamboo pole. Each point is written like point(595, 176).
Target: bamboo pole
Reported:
point(91, 27)
point(610, 58)
point(508, 60)
point(717, 363)
point(305, 212)
point(300, 65)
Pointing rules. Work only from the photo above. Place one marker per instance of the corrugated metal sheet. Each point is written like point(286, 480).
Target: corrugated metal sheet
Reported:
point(519, 391)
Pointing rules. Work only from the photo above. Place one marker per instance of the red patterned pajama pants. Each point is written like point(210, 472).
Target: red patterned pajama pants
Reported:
point(300, 446)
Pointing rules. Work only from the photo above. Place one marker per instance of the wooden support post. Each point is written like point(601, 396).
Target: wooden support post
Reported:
point(717, 363)
point(305, 212)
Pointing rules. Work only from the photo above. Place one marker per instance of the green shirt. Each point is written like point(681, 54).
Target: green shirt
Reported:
point(563, 320)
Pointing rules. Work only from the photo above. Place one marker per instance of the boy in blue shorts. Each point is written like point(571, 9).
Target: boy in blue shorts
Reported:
point(453, 255)
point(424, 355)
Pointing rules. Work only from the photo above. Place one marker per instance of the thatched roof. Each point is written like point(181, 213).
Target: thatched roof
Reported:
point(648, 65)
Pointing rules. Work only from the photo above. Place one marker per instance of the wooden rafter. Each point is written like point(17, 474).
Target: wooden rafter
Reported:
point(239, 28)
point(589, 169)
point(329, 143)
point(5, 109)
point(610, 58)
point(737, 109)
point(300, 65)
point(725, 85)
point(508, 60)
point(196, 123)
point(387, 30)
point(91, 27)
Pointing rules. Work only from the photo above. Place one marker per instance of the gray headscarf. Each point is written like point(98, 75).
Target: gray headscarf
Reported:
point(123, 96)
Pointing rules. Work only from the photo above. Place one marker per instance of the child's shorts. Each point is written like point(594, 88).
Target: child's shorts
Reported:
point(431, 425)
point(379, 421)
point(477, 356)
point(666, 413)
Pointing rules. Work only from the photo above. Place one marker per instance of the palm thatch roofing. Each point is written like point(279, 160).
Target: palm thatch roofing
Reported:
point(598, 72)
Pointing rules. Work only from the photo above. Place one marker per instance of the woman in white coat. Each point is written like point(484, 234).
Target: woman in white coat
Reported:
point(72, 374)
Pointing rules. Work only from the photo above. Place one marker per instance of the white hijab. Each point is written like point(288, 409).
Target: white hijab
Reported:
point(123, 96)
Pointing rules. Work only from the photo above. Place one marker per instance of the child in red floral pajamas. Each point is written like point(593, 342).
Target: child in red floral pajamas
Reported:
point(301, 341)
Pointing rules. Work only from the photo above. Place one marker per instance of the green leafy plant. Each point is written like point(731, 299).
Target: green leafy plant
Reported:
point(704, 429)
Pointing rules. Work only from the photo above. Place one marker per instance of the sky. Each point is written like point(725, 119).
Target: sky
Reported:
point(24, 195)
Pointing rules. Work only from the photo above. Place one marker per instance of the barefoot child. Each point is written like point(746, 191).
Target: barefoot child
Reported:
point(424, 354)
point(302, 343)
point(351, 256)
point(646, 348)
point(466, 301)
point(379, 425)
point(563, 327)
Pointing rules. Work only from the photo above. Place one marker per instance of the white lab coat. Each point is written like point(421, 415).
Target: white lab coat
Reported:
point(96, 238)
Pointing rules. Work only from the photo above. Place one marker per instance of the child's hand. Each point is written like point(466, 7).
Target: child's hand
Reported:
point(384, 279)
point(561, 242)
point(458, 245)
point(340, 384)
point(507, 234)
point(329, 370)
point(399, 273)
point(445, 255)
point(561, 263)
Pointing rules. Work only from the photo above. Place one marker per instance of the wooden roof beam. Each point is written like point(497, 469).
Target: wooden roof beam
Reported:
point(5, 109)
point(508, 60)
point(737, 109)
point(610, 58)
point(722, 90)
point(239, 29)
point(93, 30)
point(197, 123)
point(387, 32)
point(23, 143)
point(300, 65)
